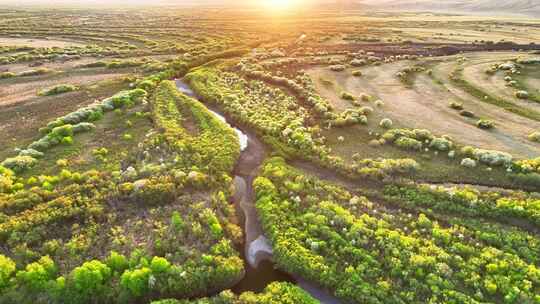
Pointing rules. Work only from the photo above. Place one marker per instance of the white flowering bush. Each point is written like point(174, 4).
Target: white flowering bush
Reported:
point(418, 134)
point(408, 143)
point(19, 163)
point(358, 62)
point(522, 94)
point(468, 163)
point(386, 123)
point(380, 168)
point(441, 144)
point(492, 157)
point(31, 152)
point(337, 68)
point(83, 127)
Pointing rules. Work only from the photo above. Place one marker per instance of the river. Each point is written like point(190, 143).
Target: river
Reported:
point(257, 250)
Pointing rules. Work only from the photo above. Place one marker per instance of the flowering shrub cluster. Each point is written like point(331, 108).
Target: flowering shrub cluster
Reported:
point(160, 225)
point(58, 89)
point(470, 202)
point(274, 293)
point(273, 113)
point(381, 168)
point(366, 253)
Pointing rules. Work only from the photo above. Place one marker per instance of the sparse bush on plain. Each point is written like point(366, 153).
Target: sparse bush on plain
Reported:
point(466, 113)
point(58, 89)
point(19, 163)
point(456, 105)
point(522, 94)
point(386, 123)
point(36, 72)
point(408, 143)
point(492, 157)
point(535, 137)
point(485, 124)
point(6, 75)
point(347, 96)
point(337, 68)
point(441, 144)
point(468, 163)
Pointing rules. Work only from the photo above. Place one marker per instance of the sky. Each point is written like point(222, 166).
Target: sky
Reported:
point(138, 2)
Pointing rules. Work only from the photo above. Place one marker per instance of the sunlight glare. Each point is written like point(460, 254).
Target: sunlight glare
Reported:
point(280, 4)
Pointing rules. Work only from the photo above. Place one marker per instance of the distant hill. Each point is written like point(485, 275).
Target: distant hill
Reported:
point(522, 7)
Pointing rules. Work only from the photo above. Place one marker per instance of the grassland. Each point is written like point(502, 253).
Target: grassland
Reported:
point(172, 155)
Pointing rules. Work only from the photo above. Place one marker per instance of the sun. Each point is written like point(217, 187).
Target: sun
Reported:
point(280, 4)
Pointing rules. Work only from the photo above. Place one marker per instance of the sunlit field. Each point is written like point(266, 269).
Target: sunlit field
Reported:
point(273, 151)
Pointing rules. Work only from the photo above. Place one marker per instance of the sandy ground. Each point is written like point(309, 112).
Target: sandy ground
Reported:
point(21, 92)
point(494, 84)
point(37, 42)
point(425, 105)
point(56, 65)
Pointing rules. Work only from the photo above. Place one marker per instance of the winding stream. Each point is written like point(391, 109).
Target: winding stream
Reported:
point(257, 251)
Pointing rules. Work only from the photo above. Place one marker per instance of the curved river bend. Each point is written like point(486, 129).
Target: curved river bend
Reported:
point(257, 251)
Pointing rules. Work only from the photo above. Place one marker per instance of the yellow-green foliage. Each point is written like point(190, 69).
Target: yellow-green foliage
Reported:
point(58, 89)
point(214, 148)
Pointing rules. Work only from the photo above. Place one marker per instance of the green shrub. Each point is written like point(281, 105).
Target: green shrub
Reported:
point(381, 168)
point(62, 131)
point(89, 280)
point(7, 269)
point(485, 124)
point(386, 123)
point(337, 68)
point(365, 97)
point(37, 72)
point(441, 144)
point(19, 163)
point(466, 113)
point(468, 163)
point(117, 262)
point(531, 180)
point(456, 105)
point(58, 89)
point(38, 274)
point(68, 140)
point(32, 153)
point(522, 94)
point(176, 221)
point(159, 265)
point(347, 96)
point(408, 143)
point(5, 75)
point(83, 127)
point(136, 281)
point(535, 136)
point(492, 157)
